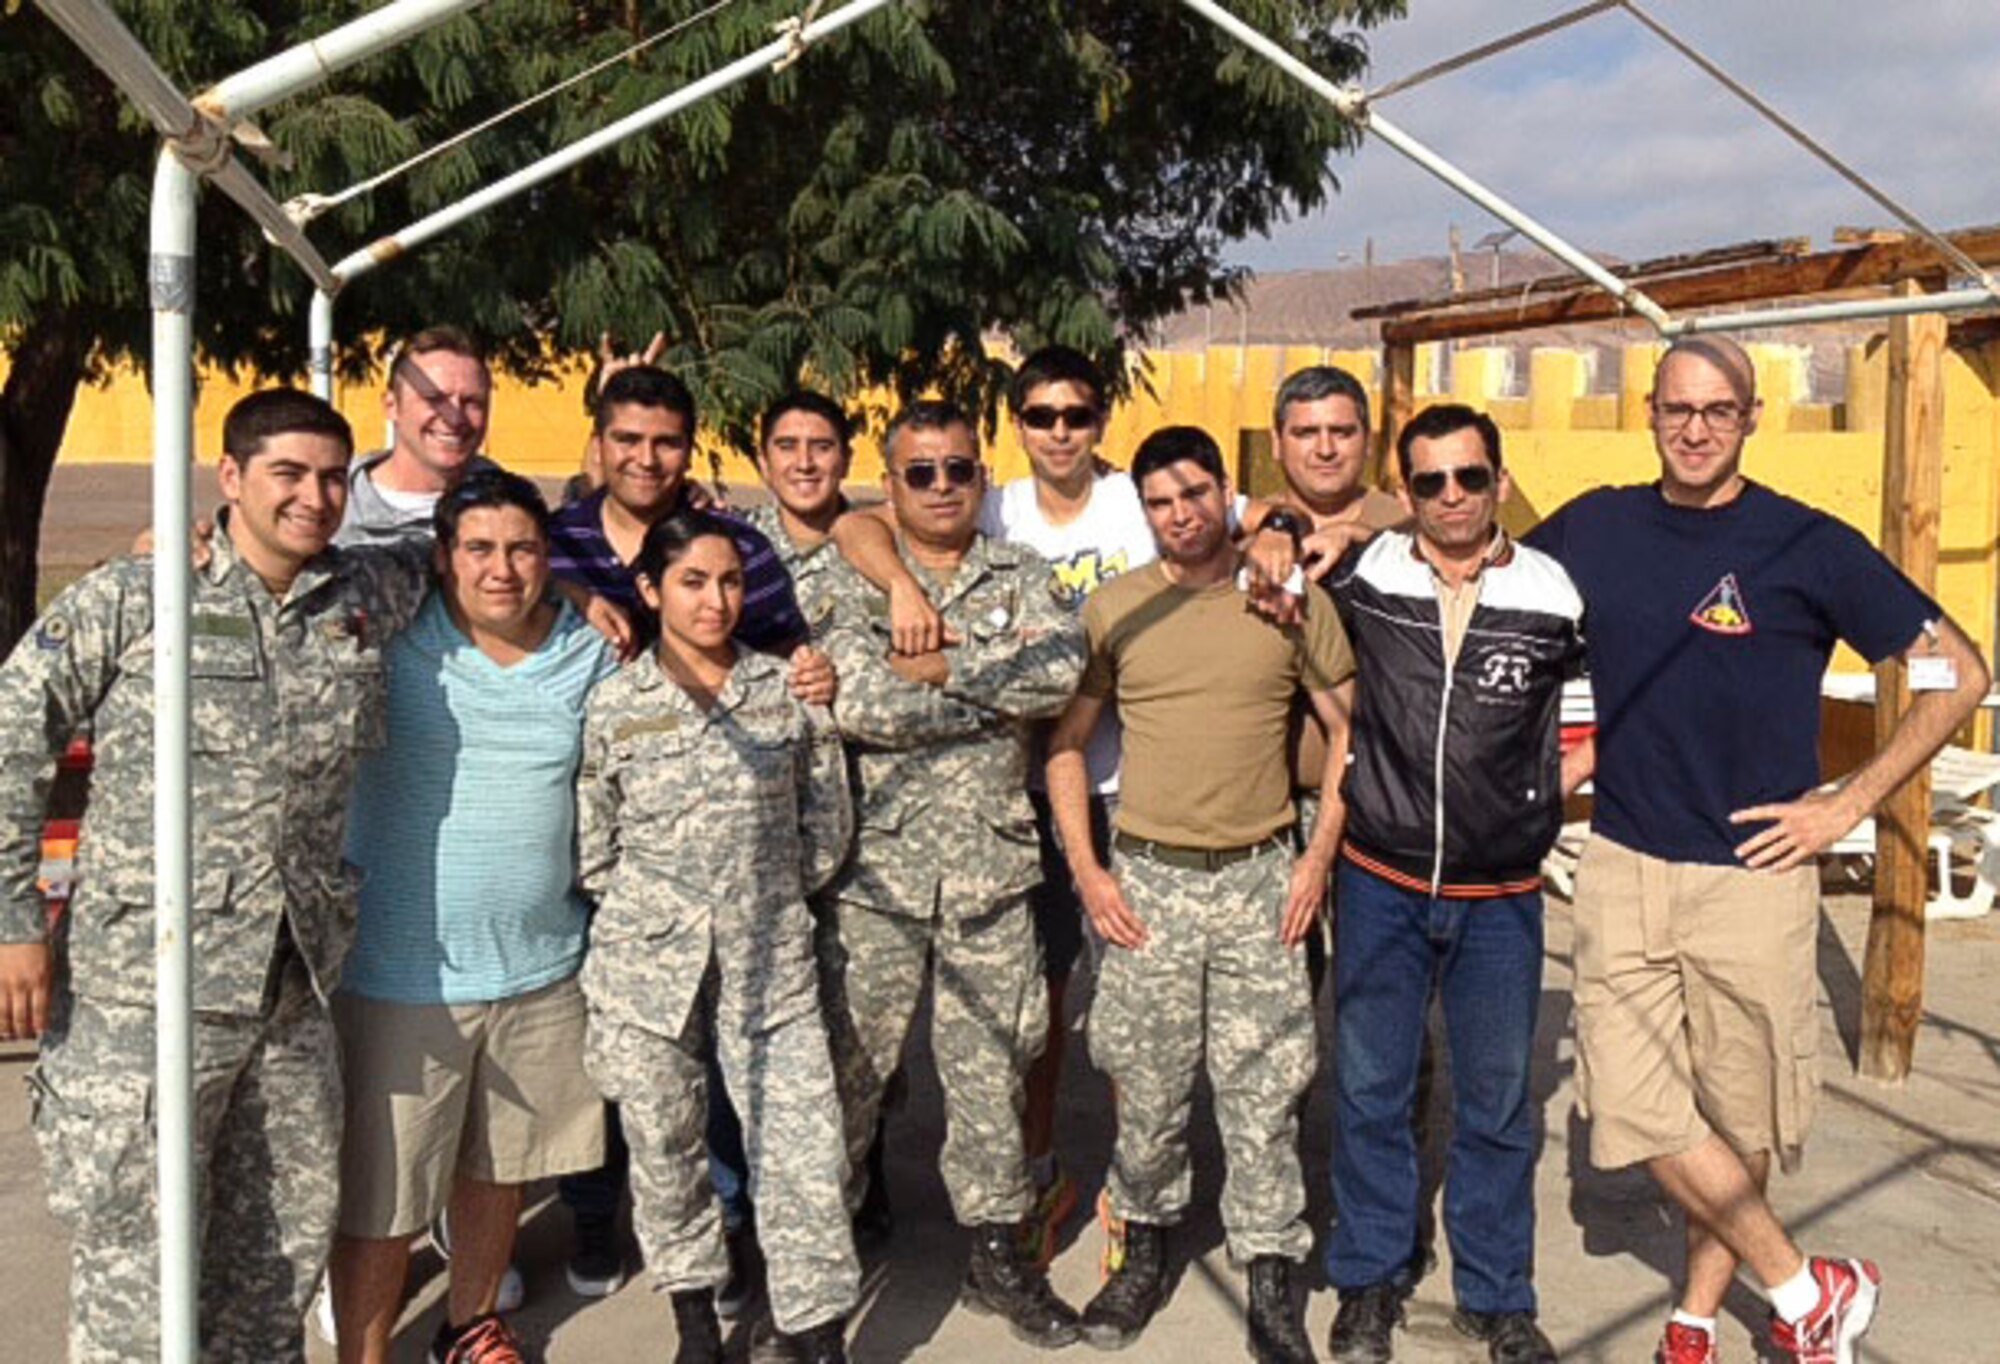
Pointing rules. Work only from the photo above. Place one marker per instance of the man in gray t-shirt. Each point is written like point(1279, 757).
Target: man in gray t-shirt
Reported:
point(437, 403)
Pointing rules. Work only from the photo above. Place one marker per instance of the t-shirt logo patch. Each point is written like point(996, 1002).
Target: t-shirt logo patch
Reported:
point(1723, 610)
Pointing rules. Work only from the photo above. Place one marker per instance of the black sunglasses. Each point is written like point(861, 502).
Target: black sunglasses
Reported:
point(1043, 417)
point(1473, 478)
point(921, 478)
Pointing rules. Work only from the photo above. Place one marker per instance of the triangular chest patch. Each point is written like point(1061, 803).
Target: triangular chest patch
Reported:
point(1723, 610)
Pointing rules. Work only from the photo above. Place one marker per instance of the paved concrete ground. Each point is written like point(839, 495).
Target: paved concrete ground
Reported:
point(1910, 1176)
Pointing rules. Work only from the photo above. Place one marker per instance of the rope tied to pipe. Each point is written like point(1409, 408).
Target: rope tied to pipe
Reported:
point(793, 31)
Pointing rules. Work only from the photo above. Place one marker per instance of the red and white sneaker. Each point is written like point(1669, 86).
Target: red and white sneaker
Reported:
point(1848, 1293)
point(1684, 1344)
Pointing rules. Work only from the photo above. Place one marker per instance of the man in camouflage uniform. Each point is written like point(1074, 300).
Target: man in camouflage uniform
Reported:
point(803, 454)
point(287, 691)
point(696, 931)
point(945, 849)
point(1204, 907)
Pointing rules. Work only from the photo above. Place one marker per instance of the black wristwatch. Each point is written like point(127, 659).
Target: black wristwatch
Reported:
point(1286, 521)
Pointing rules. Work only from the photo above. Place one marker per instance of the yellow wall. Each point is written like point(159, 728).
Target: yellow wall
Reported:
point(1561, 440)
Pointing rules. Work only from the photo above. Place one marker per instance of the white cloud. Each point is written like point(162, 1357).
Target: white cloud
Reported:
point(1617, 142)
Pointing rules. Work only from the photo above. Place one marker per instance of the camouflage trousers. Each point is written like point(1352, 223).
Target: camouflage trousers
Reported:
point(989, 1020)
point(780, 1077)
point(1212, 979)
point(267, 1141)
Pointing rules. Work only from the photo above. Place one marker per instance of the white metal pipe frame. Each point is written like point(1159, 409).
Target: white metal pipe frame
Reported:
point(171, 273)
point(385, 249)
point(197, 137)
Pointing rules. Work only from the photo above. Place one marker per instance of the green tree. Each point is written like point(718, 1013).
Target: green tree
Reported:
point(1053, 170)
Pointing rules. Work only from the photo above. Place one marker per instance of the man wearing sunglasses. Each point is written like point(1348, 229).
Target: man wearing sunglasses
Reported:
point(1084, 518)
point(1714, 605)
point(944, 851)
point(1453, 795)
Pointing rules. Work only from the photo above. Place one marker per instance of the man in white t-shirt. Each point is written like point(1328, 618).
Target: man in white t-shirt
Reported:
point(1085, 519)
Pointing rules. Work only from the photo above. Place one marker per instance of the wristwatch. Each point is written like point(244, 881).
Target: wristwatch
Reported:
point(1287, 521)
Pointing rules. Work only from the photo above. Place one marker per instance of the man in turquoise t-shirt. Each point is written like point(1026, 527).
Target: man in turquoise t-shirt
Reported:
point(460, 1018)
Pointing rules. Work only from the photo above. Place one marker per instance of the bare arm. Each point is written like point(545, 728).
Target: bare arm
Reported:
point(1307, 893)
point(1578, 764)
point(1069, 799)
point(1802, 829)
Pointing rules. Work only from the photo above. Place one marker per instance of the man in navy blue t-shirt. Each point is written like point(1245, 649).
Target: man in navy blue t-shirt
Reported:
point(1712, 605)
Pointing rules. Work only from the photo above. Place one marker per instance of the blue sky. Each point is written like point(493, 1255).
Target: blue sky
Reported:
point(1618, 143)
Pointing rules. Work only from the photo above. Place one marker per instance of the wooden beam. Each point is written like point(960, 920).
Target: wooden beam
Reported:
point(1855, 267)
point(1892, 979)
point(1686, 262)
point(1399, 404)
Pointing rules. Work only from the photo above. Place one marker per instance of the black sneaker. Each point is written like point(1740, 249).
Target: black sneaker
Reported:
point(596, 1267)
point(1511, 1337)
point(746, 1273)
point(1364, 1327)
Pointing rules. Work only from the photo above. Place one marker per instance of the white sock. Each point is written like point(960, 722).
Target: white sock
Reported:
point(1042, 1169)
point(1796, 1297)
point(1704, 1324)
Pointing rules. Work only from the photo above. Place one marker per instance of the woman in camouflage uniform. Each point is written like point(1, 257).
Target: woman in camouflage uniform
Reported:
point(711, 803)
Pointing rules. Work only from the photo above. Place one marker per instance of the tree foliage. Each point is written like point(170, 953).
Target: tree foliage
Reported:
point(1055, 170)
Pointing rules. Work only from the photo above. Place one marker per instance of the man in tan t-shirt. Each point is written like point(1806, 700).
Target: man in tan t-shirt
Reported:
point(1206, 904)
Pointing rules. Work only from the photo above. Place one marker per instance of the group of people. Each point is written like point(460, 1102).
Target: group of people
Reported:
point(504, 812)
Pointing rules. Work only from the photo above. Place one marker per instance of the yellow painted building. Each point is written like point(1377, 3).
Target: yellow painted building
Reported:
point(1562, 438)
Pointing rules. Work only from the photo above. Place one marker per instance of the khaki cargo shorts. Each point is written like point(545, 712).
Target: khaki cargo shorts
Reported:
point(1696, 1005)
point(495, 1092)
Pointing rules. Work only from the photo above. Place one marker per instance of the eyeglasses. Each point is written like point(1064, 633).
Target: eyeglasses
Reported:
point(922, 477)
point(1721, 418)
point(1473, 478)
point(1043, 417)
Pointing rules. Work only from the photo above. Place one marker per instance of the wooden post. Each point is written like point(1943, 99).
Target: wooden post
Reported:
point(1892, 977)
point(1399, 404)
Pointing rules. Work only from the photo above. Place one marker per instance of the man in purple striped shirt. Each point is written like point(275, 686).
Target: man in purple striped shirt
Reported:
point(643, 428)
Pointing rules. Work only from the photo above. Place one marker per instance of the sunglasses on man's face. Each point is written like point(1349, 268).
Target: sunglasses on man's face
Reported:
point(1043, 417)
point(922, 476)
point(1473, 478)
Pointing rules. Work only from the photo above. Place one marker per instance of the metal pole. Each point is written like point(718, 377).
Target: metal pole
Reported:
point(309, 63)
point(387, 248)
point(1955, 301)
point(1352, 104)
point(170, 270)
point(319, 344)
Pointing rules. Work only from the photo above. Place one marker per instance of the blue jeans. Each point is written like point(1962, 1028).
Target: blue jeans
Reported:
point(1485, 958)
point(595, 1193)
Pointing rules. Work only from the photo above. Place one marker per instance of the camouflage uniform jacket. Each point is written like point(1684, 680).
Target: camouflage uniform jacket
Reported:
point(938, 771)
point(700, 836)
point(814, 571)
point(285, 695)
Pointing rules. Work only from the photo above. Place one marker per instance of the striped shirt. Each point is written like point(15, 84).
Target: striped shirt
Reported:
point(464, 825)
point(580, 552)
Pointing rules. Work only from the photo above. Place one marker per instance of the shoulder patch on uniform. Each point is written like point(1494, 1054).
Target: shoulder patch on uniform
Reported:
point(52, 633)
point(652, 724)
